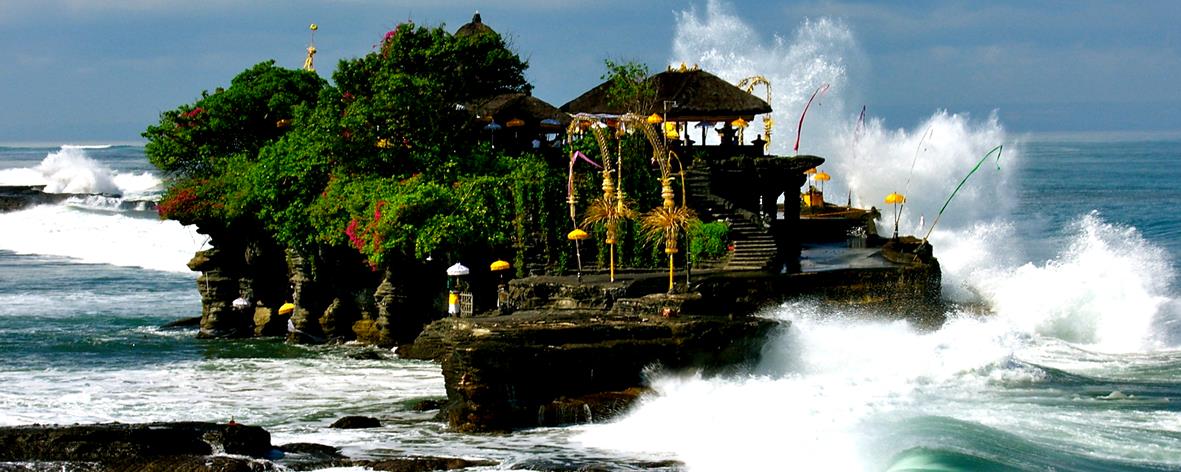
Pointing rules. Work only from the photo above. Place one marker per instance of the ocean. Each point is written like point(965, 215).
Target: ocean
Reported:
point(1061, 350)
point(1071, 364)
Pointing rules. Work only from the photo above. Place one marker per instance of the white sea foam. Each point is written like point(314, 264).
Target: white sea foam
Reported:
point(1106, 290)
point(86, 146)
point(833, 390)
point(71, 170)
point(104, 238)
point(866, 162)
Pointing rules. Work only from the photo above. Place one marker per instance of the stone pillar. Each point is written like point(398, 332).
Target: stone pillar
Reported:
point(308, 308)
point(218, 288)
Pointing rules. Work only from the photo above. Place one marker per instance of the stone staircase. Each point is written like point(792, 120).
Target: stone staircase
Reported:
point(754, 246)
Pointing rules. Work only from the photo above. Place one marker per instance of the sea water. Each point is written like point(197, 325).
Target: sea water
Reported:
point(85, 286)
point(1059, 259)
point(1072, 367)
point(1060, 351)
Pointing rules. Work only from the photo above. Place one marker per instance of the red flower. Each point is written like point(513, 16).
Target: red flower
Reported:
point(377, 211)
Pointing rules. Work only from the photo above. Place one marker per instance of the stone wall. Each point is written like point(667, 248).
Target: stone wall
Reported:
point(337, 297)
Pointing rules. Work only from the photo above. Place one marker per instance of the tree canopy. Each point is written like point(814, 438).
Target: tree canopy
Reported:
point(383, 160)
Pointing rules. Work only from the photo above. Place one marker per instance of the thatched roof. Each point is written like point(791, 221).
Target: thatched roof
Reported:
point(506, 107)
point(699, 96)
point(474, 28)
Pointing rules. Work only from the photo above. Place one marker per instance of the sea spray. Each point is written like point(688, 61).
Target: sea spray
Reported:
point(70, 170)
point(133, 241)
point(1106, 290)
point(820, 405)
point(821, 51)
point(995, 385)
point(867, 158)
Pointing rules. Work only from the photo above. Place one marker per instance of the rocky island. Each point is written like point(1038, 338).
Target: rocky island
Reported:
point(336, 213)
point(340, 223)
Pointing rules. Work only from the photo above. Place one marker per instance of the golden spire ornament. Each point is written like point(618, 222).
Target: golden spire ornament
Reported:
point(308, 62)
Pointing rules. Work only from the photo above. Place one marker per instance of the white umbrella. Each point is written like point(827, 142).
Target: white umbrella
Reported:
point(457, 270)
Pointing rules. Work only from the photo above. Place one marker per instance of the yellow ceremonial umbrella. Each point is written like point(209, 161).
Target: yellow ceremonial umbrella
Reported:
point(578, 235)
point(739, 123)
point(500, 265)
point(895, 199)
point(515, 122)
point(822, 176)
point(655, 119)
point(287, 308)
point(670, 131)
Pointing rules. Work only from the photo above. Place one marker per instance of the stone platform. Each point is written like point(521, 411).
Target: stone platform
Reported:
point(576, 350)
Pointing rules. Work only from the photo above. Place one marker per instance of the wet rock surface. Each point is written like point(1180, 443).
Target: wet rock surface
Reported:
point(578, 350)
point(13, 198)
point(108, 442)
point(546, 368)
point(182, 447)
point(356, 422)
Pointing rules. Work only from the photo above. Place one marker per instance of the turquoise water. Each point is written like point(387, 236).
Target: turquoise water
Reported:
point(85, 285)
point(1073, 365)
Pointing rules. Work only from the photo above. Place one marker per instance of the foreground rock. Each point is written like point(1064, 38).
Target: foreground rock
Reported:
point(181, 447)
point(186, 446)
point(578, 351)
point(554, 367)
point(356, 422)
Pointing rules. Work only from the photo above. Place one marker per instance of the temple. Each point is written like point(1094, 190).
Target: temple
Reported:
point(570, 348)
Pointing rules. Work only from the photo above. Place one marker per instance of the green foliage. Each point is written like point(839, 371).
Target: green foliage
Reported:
point(191, 140)
point(709, 240)
point(385, 163)
point(193, 201)
point(629, 87)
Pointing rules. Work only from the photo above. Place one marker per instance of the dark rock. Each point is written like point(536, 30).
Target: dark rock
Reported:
point(422, 464)
point(311, 448)
point(367, 355)
point(356, 422)
point(310, 456)
point(554, 367)
point(193, 464)
point(183, 323)
point(427, 405)
point(576, 466)
point(105, 443)
point(587, 408)
point(13, 198)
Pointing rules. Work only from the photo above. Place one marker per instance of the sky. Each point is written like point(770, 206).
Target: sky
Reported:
point(103, 70)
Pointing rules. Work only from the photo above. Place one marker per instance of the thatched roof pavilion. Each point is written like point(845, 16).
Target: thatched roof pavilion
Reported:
point(476, 27)
point(699, 96)
point(510, 106)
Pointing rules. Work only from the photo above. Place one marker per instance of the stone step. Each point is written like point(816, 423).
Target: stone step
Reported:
point(747, 243)
point(753, 255)
point(742, 258)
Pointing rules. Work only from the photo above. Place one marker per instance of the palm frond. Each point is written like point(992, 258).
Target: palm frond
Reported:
point(604, 211)
point(664, 224)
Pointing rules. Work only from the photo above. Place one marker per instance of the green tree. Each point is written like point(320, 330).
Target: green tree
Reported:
point(386, 161)
point(630, 88)
point(256, 109)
